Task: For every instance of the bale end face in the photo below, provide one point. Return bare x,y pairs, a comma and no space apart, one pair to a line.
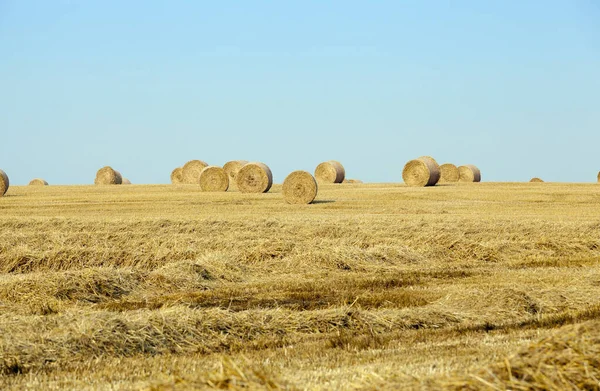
331,171
420,173
214,178
449,173
38,182
108,176
177,176
192,170
300,187
469,173
254,178
4,183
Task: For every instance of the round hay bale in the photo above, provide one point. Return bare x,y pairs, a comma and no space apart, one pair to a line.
192,170
232,168
598,177
254,178
126,181
421,172
4,183
299,188
38,182
449,173
108,176
354,181
177,176
214,178
436,172
469,173
536,180
330,172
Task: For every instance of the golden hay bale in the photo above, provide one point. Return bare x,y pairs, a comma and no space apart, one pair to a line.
192,170
354,181
421,172
38,182
449,173
299,188
108,176
232,168
254,178
538,180
214,178
469,173
330,172
126,181
177,176
435,173
4,183
598,176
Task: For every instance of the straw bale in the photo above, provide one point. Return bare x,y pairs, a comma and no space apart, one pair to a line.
38,182
108,176
4,183
192,170
420,172
177,176
300,187
254,178
214,178
449,173
469,173
330,172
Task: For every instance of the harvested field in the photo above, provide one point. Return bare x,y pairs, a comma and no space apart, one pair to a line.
373,286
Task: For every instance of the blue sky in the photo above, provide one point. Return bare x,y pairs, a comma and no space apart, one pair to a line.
144,86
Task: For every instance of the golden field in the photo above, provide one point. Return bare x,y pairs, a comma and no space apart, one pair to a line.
375,286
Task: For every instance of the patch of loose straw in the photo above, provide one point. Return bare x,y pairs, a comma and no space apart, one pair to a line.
536,180
177,176
214,178
420,172
330,172
449,173
38,182
254,178
300,187
232,168
192,170
4,183
108,176
469,173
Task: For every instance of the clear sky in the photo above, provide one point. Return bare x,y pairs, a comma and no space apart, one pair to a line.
144,86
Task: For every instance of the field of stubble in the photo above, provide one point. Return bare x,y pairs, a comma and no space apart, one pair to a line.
478,286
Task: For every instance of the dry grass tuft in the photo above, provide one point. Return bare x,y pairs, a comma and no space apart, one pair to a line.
254,178
330,172
108,176
421,172
4,183
449,173
536,180
38,182
469,173
299,188
192,170
177,176
214,178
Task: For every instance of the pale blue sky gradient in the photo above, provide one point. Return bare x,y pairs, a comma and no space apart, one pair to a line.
144,86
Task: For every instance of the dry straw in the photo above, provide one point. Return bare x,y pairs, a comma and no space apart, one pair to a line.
4,183
469,173
421,172
38,182
214,178
232,168
330,172
192,170
108,176
536,179
599,177
449,173
299,188
254,178
177,176
126,181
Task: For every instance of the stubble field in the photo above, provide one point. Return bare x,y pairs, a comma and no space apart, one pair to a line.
474,286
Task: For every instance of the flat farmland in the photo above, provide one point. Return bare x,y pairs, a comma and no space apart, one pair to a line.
374,286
